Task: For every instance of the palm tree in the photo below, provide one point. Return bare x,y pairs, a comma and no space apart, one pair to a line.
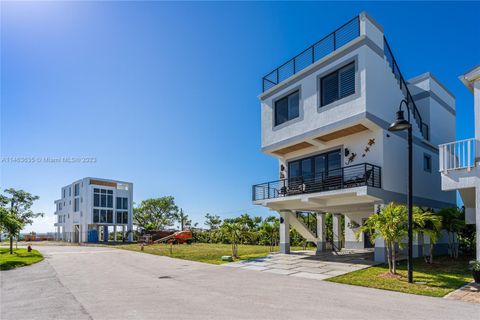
233,230
453,220
270,228
391,225
182,218
430,224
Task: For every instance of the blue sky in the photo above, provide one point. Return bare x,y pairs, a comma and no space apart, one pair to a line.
165,94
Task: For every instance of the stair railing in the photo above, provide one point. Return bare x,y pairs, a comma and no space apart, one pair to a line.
404,88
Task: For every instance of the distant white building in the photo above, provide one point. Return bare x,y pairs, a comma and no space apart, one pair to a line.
325,115
90,208
460,161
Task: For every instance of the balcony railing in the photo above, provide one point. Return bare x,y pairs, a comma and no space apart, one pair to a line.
459,155
312,54
364,174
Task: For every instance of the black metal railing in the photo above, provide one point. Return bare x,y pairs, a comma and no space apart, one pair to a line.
309,219
364,174
338,38
404,88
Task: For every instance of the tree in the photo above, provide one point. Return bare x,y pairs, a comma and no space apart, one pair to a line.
16,212
391,225
428,223
213,222
182,218
156,213
233,230
453,220
270,229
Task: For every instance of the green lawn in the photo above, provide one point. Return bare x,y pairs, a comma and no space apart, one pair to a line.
441,277
19,258
203,252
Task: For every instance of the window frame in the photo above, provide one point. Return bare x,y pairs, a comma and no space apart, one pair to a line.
282,97
429,161
337,71
312,162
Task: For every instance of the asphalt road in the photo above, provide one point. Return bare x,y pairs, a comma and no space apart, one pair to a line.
104,283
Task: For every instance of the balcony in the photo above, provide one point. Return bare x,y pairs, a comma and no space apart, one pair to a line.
459,155
364,174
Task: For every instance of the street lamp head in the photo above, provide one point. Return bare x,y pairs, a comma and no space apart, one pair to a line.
400,124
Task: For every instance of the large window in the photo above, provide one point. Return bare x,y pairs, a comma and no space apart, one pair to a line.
76,189
76,204
102,216
316,165
338,84
122,217
102,198
122,203
287,108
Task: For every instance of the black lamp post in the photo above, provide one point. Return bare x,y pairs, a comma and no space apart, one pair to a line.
399,125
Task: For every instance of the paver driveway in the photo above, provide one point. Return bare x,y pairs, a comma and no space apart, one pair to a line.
307,264
105,283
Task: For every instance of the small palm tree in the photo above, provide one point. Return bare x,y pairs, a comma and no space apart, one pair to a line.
430,224
270,228
233,231
390,224
453,220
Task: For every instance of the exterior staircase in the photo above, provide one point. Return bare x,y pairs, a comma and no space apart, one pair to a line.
422,126
309,232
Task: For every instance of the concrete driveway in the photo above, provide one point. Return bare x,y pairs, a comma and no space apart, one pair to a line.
308,264
107,283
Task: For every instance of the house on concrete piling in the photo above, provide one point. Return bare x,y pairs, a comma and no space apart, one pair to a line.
325,115
90,208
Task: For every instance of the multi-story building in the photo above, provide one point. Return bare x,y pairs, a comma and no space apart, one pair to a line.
460,161
90,208
325,115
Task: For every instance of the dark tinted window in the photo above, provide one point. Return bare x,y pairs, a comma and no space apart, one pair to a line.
427,163
287,108
338,84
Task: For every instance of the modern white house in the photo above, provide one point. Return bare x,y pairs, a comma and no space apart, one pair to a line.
90,208
460,161
325,115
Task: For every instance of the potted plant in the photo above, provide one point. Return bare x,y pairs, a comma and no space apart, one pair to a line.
475,265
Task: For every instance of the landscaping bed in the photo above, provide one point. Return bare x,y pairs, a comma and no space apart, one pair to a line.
436,280
19,258
203,252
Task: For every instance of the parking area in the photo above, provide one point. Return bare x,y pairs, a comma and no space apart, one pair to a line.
308,264
105,283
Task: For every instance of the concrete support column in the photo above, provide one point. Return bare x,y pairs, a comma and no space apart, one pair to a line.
115,233
337,230
123,232
285,231
477,219
380,254
321,232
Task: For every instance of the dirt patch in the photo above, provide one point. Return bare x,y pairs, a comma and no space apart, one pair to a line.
388,275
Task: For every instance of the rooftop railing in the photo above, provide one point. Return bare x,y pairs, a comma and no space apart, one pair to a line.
363,174
338,38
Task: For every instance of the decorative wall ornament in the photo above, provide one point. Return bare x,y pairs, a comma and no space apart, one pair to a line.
370,143
351,158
